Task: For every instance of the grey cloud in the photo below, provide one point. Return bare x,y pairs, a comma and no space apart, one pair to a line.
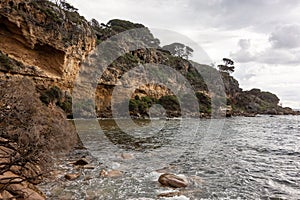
244,43
243,55
193,14
271,55
287,36
235,14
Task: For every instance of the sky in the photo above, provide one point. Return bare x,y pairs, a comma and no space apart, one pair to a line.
261,36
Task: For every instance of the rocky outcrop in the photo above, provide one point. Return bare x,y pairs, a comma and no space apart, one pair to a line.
44,37
256,101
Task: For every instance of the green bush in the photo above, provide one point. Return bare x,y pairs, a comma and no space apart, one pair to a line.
5,62
53,95
170,103
66,105
141,105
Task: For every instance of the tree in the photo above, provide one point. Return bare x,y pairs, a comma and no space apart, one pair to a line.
68,6
142,33
65,5
228,66
179,50
189,51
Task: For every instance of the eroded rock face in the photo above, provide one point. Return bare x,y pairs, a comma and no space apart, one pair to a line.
44,36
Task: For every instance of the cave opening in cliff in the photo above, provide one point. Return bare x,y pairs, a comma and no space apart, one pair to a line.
14,42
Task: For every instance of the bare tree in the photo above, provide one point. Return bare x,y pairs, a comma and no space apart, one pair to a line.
179,50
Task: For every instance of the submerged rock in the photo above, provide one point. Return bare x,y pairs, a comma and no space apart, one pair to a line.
170,194
72,177
82,161
111,173
171,180
127,156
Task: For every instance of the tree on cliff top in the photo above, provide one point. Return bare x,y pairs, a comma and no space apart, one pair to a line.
228,66
179,50
65,5
115,26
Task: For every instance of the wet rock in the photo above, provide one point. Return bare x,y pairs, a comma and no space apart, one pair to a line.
19,187
72,177
103,173
82,161
3,140
26,191
171,180
170,194
87,178
127,156
88,167
111,173
32,173
9,177
6,195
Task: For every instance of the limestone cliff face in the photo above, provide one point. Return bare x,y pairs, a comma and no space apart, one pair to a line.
114,76
47,40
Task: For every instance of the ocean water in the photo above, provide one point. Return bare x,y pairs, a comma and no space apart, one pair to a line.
234,158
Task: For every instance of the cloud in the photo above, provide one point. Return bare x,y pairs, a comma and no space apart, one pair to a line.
243,55
244,43
280,50
286,36
193,14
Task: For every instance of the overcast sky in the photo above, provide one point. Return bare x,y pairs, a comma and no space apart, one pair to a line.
261,36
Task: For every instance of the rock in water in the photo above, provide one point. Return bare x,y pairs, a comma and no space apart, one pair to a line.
171,180
82,161
127,156
72,177
111,173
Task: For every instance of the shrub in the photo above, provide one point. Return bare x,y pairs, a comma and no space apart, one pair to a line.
53,95
5,62
170,103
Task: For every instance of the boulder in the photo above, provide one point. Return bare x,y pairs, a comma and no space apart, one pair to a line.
6,195
127,156
171,180
72,177
82,161
111,173
26,190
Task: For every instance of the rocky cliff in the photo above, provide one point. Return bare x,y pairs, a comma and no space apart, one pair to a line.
48,41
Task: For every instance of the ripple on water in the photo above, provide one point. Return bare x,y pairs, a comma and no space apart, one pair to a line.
253,158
